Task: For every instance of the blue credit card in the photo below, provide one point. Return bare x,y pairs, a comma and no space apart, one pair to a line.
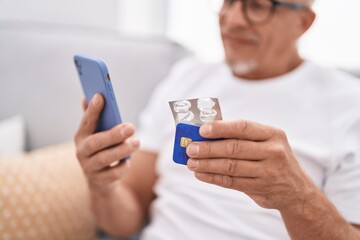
185,134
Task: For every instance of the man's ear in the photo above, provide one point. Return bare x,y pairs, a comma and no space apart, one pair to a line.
306,21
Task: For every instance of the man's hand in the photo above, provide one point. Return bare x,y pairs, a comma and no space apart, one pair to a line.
96,151
253,158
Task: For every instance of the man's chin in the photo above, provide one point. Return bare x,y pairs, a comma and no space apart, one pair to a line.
242,68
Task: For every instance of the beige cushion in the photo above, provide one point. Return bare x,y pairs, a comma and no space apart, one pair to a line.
44,195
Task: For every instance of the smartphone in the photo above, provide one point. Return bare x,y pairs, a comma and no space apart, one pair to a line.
95,78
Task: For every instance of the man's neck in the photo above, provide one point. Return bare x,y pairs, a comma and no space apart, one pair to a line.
272,70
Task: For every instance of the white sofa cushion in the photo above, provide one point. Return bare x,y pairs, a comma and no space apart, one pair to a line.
12,135
39,81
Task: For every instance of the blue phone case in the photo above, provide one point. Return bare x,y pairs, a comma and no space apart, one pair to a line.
95,78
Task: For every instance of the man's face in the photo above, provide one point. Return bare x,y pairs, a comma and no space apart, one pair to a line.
255,48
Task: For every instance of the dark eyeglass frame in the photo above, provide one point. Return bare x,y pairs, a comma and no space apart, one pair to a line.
274,4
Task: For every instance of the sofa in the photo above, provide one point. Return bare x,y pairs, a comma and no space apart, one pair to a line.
43,193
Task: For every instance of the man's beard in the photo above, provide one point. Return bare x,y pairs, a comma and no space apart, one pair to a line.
247,64
241,68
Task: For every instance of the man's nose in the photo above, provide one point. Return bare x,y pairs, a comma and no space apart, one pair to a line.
234,14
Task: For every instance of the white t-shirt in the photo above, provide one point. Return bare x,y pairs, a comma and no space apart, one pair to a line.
319,109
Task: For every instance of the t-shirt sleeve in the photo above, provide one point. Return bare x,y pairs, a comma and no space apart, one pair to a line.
157,116
342,185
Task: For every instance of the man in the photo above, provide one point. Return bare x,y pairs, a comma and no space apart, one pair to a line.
291,170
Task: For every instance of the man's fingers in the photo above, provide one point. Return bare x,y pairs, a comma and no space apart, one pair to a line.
103,159
240,129
227,148
105,139
230,167
89,121
111,174
238,183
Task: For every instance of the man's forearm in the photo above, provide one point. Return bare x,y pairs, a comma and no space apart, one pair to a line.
315,217
117,211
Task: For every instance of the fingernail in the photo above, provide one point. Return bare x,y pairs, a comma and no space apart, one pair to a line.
126,131
192,164
192,150
113,164
205,129
96,100
135,143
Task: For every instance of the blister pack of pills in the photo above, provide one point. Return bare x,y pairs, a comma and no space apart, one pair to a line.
189,115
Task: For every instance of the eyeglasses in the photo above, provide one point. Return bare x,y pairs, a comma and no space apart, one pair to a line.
257,12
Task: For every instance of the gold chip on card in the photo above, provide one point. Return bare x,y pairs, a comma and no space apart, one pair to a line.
184,141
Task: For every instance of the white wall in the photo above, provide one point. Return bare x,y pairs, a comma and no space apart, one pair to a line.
334,39
195,25
95,13
142,17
